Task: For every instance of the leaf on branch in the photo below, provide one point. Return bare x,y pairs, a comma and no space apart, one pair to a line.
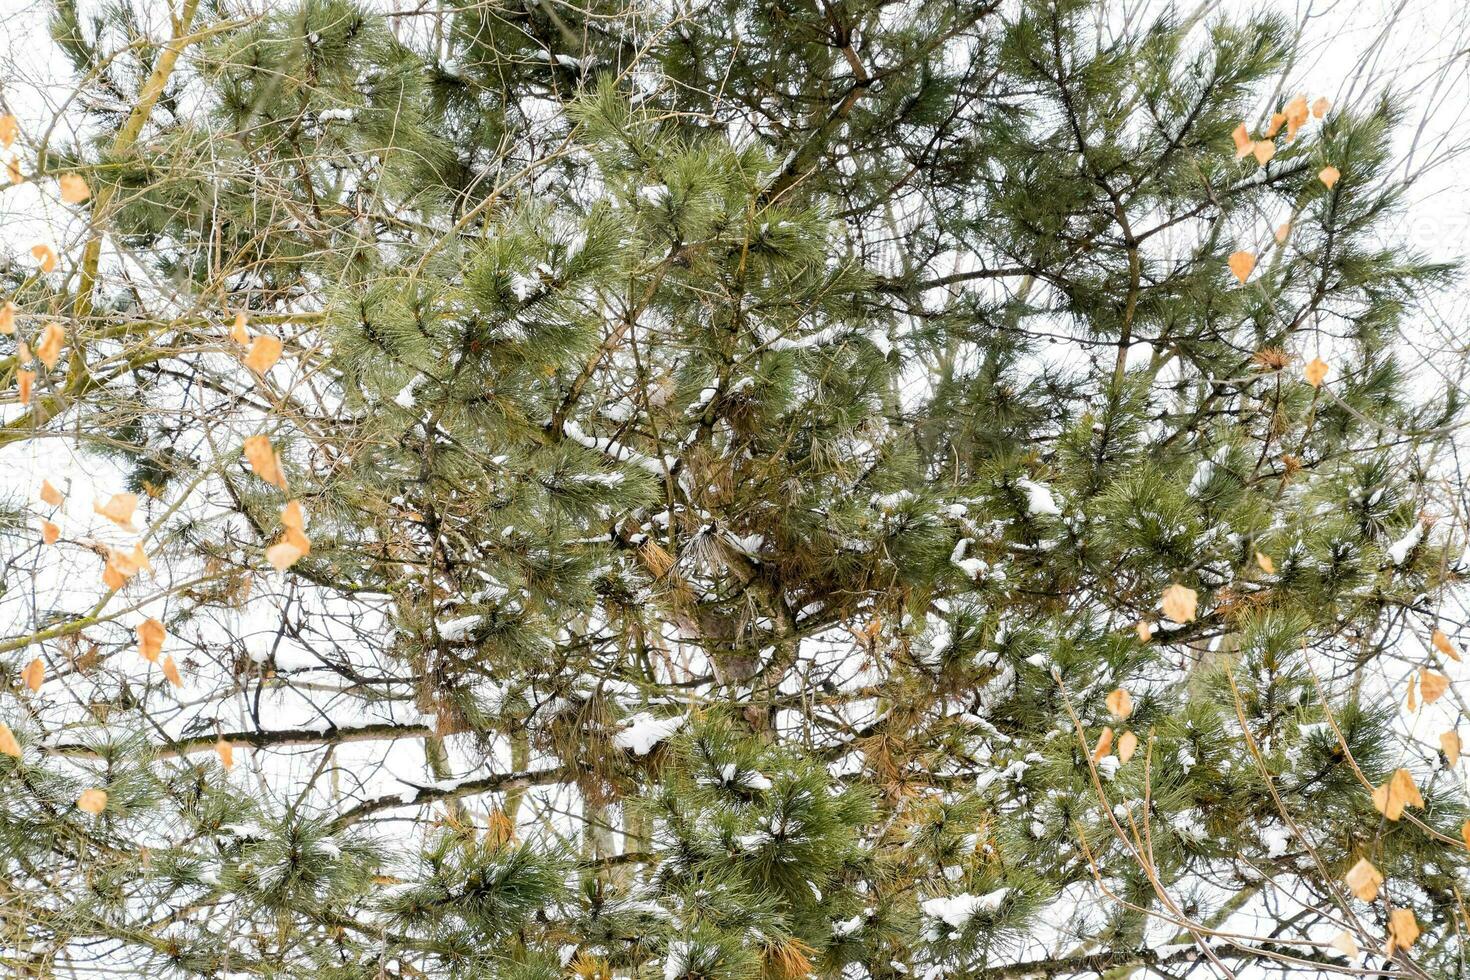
1264,562
1465,833
1449,744
12,170
265,461
34,674
8,744
1443,645
1316,371
45,256
1283,232
225,751
74,189
1104,745
7,318
1296,116
25,380
1403,930
1399,792
1320,107
1264,150
1243,142
1411,703
119,510
171,671
1344,944
1180,603
1432,685
48,349
1144,630
50,533
1120,703
1127,745
238,333
263,354
50,495
1329,176
1242,264
151,635
9,129
1364,880
92,801
1278,119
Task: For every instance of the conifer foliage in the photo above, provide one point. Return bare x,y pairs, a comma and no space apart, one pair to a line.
852,489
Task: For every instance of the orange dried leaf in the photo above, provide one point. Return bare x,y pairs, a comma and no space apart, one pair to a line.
45,255
1180,603
1296,115
8,744
119,509
1443,645
1364,880
1283,232
1278,119
50,495
92,801
1432,685
225,751
1264,150
283,554
1344,944
1403,930
12,170
9,129
1316,371
50,533
1399,792
34,674
1104,745
264,460
1465,833
25,380
1329,176
1320,107
7,318
1449,744
1411,702
238,333
1242,264
171,671
1120,703
1127,745
74,189
263,354
1264,562
151,635
49,347
1144,630
1243,142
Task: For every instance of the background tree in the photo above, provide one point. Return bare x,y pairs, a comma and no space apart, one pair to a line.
844,489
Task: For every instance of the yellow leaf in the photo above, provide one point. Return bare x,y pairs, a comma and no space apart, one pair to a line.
1399,792
45,256
1243,142
1241,264
7,318
24,381
49,347
1432,685
1283,232
1264,150
92,801
1104,745
1449,744
225,751
1364,880
74,189
238,333
1329,176
1144,630
119,509
151,635
1316,371
171,671
1403,930
1120,703
50,533
8,744
1180,603
264,460
1320,107
8,130
1296,115
50,495
1265,563
263,354
1443,645
1127,745
1344,944
12,170
34,674
1277,119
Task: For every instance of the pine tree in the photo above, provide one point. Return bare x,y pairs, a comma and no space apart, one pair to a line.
848,489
